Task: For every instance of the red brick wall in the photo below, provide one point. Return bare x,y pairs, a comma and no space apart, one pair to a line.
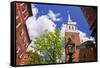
22,41
76,39
22,37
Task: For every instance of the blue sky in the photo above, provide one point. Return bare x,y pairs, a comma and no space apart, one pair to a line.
75,13
51,17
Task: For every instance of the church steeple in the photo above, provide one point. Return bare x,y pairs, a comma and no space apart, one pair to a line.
72,33
71,26
69,18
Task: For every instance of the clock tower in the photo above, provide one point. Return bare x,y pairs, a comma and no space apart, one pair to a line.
72,33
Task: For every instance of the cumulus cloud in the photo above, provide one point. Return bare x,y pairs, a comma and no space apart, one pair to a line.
45,23
32,30
34,10
63,27
53,15
37,26
83,37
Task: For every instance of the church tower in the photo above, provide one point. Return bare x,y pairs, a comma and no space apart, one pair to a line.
72,33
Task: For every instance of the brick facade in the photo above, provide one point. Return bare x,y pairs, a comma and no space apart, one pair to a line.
76,39
23,11
72,33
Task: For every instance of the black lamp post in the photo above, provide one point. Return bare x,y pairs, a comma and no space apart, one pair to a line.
70,49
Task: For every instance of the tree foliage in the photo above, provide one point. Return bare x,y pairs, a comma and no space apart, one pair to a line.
50,45
34,57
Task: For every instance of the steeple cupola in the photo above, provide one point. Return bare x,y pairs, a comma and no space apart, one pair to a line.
71,26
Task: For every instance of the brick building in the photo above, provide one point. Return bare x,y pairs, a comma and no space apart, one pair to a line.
72,33
87,51
90,14
23,12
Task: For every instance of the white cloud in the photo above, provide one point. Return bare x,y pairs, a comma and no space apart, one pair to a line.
83,37
32,27
33,5
45,23
34,10
36,27
63,27
54,16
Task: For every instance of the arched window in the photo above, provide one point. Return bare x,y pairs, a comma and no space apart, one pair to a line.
72,27
69,27
75,28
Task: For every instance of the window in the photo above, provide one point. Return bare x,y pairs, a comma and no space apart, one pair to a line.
26,14
21,33
24,9
17,14
69,27
75,28
72,27
26,44
21,55
18,49
24,39
19,21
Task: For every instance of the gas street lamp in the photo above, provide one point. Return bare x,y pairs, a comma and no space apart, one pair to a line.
69,50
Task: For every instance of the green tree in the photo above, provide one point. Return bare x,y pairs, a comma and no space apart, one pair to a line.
50,45
34,57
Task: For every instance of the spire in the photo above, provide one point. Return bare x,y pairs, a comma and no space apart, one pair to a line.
70,26
69,18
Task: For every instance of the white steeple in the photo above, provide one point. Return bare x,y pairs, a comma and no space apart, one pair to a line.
69,18
71,26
